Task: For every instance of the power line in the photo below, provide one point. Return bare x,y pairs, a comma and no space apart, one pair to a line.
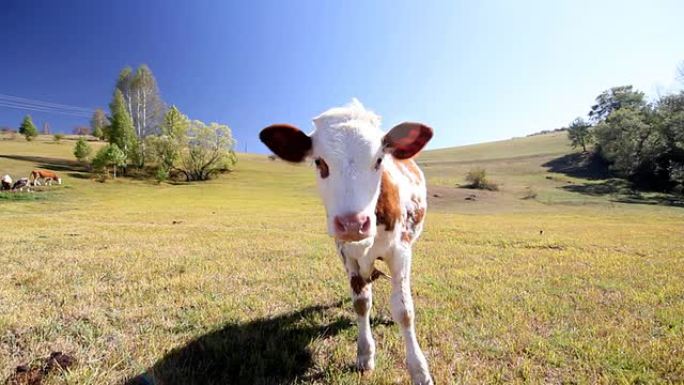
40,109
41,102
10,101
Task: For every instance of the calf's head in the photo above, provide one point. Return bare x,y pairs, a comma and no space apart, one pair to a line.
349,151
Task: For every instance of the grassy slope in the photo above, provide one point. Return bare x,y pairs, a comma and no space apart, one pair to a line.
232,271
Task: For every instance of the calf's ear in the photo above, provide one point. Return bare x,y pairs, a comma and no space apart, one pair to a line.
405,140
286,141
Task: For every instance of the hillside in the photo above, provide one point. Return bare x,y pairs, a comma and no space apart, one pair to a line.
199,283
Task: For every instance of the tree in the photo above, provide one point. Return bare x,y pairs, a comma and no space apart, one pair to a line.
143,103
629,141
614,99
209,151
175,124
670,121
121,130
28,129
109,156
98,124
123,84
166,148
81,130
82,149
579,134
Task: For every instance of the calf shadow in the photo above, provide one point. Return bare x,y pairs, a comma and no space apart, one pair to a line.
263,351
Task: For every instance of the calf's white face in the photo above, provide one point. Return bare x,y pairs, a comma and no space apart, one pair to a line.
349,150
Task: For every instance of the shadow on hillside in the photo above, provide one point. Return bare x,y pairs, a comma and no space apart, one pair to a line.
580,165
593,167
662,199
54,164
621,191
263,351
607,187
80,175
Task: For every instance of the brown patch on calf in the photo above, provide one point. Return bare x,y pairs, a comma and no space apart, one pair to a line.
405,319
361,306
43,174
418,215
409,166
357,283
413,219
387,211
406,237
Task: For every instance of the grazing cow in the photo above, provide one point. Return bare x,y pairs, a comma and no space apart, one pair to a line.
46,176
375,200
6,183
21,184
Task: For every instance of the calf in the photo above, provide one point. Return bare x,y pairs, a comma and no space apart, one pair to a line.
46,176
21,184
6,183
375,200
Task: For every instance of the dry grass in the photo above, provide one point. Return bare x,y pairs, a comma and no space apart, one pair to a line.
235,281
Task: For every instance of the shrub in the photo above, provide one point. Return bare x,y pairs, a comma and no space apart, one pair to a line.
529,194
109,156
58,137
82,149
477,179
28,129
162,174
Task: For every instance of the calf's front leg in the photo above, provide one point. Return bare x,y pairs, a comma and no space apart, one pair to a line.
362,297
404,316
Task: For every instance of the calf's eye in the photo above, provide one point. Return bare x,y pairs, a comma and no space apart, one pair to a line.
377,163
322,167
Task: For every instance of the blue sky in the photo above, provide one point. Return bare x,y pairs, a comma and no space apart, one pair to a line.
475,71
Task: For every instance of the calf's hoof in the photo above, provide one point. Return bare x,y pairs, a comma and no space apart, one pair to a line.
365,364
420,375
422,380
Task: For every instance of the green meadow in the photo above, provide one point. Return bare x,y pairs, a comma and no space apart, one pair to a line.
563,276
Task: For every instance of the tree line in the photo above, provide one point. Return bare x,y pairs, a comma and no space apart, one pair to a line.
149,138
640,140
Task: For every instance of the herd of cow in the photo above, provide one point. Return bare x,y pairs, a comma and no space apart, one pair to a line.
36,178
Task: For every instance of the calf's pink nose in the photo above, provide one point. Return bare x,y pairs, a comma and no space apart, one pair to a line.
352,227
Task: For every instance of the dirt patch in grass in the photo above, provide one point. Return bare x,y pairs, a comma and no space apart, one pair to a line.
35,374
443,196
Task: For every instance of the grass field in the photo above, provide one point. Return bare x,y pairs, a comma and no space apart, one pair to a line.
548,281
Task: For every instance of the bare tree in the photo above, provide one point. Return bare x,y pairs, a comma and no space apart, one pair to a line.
123,83
98,123
81,130
143,102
